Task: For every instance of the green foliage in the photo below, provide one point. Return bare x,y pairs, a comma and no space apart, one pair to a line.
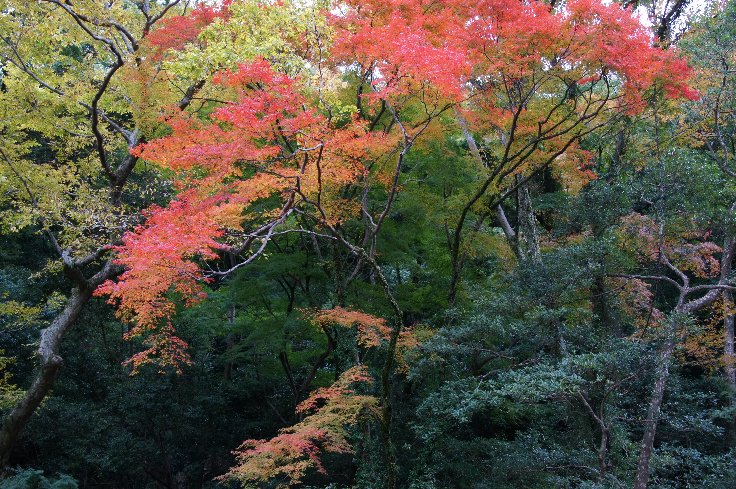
507,387
35,479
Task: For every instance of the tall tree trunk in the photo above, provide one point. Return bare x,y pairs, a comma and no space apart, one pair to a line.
48,354
528,234
728,354
655,404
50,363
602,308
728,337
667,349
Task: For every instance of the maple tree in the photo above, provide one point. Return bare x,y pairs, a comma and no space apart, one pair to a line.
682,256
74,88
207,157
288,456
403,237
530,79
270,141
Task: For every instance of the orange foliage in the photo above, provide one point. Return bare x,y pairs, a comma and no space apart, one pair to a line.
636,300
154,266
689,251
164,348
214,163
295,450
538,75
414,44
705,348
574,169
371,330
274,139
341,388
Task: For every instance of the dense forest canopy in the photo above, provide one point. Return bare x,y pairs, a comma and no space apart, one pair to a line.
367,244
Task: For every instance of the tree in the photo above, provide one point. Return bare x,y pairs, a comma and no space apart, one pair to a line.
676,257
72,82
283,152
712,116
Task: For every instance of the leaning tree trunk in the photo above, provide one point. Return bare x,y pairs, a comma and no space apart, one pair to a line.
50,363
655,404
667,350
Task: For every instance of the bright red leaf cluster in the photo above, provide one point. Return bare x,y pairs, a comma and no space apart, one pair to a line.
407,45
175,32
223,166
275,137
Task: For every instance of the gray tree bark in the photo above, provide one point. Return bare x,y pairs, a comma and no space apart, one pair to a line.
50,363
667,349
728,340
655,406
528,234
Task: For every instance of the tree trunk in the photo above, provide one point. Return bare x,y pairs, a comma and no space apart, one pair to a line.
605,436
655,403
528,234
602,308
728,354
667,350
50,363
503,221
728,333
